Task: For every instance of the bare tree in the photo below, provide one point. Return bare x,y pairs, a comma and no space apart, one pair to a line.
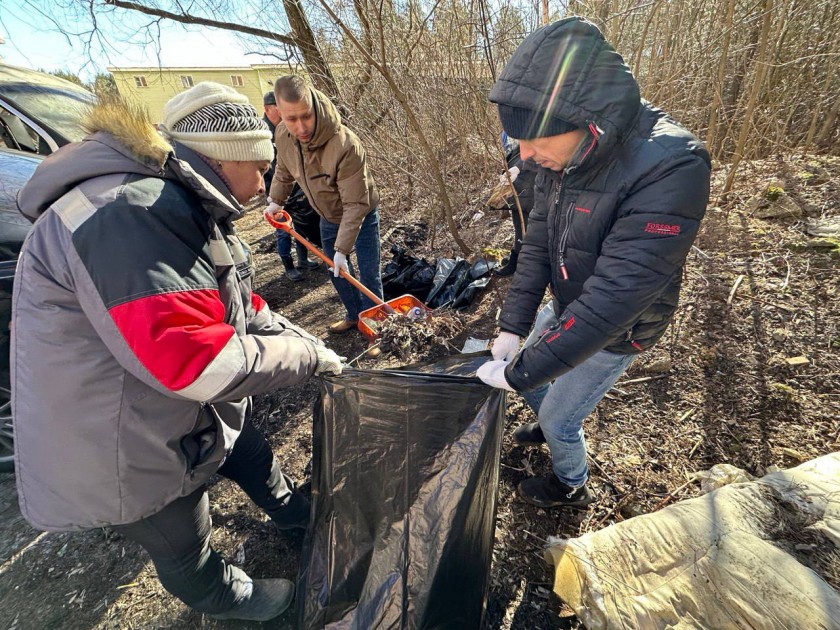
751,77
302,37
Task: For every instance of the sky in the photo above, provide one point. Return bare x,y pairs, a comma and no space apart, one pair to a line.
33,40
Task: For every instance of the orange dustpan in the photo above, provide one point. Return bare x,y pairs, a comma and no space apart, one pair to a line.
406,305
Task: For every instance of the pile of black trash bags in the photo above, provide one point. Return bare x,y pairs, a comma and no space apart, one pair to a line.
444,283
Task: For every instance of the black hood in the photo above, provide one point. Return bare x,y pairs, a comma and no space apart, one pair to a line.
568,70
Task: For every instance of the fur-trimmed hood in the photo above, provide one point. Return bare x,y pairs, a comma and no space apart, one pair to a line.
121,140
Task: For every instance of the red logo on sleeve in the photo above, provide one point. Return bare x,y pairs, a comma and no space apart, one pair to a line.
662,228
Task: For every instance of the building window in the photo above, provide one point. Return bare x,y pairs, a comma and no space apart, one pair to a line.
236,80
140,81
186,81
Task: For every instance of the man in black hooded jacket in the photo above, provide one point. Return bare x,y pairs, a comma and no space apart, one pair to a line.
619,195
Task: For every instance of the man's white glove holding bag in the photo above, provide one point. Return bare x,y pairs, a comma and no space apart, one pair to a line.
505,347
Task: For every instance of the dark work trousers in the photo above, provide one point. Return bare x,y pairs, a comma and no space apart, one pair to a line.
178,537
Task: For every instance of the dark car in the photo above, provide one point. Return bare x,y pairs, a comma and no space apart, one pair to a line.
38,114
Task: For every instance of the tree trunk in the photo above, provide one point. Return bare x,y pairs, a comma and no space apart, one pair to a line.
732,95
637,66
416,127
314,61
828,129
758,84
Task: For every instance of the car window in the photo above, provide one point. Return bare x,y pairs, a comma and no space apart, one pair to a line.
15,134
60,110
49,104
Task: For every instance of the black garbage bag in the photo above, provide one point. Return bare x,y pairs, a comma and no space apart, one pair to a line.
457,282
450,277
407,274
404,479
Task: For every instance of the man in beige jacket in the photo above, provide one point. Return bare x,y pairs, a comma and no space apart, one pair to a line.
328,161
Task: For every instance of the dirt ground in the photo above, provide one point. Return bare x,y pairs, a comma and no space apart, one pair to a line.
720,387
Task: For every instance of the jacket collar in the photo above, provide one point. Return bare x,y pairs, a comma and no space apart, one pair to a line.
327,120
188,167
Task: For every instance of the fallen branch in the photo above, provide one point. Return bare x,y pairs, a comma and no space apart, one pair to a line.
781,306
643,379
672,494
735,286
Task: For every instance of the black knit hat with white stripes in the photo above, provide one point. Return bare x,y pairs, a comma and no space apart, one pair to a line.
218,122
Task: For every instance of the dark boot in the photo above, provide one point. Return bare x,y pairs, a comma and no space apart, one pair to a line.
303,261
296,514
311,265
510,265
549,491
266,600
293,274
529,435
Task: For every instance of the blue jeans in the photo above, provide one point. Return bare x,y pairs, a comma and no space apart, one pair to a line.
284,247
367,257
562,405
284,244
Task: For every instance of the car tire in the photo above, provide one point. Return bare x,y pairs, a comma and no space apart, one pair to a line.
7,444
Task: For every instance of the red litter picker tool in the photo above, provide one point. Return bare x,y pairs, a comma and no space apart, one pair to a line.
406,305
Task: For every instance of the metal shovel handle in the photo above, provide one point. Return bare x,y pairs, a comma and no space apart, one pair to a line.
285,224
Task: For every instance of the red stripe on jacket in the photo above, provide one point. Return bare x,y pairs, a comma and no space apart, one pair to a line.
257,302
175,335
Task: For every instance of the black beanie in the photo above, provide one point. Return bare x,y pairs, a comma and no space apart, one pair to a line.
268,99
526,124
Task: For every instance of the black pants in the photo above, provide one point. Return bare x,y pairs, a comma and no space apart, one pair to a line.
178,537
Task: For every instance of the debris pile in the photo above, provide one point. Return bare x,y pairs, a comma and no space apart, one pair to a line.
421,339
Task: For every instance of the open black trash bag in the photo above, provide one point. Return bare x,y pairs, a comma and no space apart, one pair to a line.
404,480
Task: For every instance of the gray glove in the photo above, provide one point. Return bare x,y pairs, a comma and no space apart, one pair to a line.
328,361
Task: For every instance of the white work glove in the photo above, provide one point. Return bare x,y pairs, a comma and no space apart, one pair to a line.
328,361
272,209
493,373
505,346
339,263
512,172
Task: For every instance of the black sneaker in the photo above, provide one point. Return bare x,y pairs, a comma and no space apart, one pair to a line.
549,492
311,265
529,435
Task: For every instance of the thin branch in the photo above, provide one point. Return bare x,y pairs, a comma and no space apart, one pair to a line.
192,19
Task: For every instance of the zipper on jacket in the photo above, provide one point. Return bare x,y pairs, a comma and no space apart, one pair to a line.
306,179
564,236
564,233
633,342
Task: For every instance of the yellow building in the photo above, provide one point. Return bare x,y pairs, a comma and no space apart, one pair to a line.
153,86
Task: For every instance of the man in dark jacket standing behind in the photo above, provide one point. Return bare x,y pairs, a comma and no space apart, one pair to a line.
619,195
